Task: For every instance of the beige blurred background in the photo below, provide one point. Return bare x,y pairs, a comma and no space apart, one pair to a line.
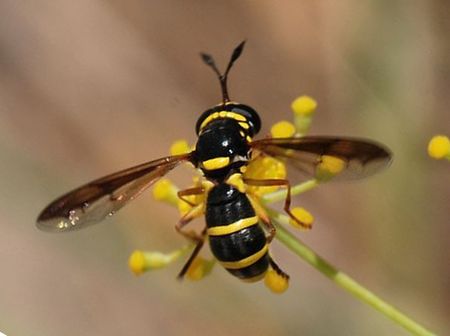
90,87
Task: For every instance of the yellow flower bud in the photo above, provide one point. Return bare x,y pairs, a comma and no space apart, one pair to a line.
329,167
303,216
282,129
304,105
165,190
276,282
140,261
137,263
263,168
183,206
180,147
304,108
439,147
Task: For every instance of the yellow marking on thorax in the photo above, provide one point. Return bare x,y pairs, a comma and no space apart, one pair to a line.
244,125
246,261
232,228
216,163
223,114
236,181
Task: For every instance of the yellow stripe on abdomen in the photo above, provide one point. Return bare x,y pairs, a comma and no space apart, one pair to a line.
232,228
246,261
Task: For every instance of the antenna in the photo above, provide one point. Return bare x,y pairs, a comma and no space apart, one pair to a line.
223,77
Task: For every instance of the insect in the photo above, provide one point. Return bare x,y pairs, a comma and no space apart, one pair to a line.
224,148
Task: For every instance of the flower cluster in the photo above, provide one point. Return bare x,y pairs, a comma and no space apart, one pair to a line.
263,167
260,167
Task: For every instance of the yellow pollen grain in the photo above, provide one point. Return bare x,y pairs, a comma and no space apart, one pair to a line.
304,105
262,168
439,147
180,147
163,190
137,263
275,282
282,129
332,164
183,206
303,216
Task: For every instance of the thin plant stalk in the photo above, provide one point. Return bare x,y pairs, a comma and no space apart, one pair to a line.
342,279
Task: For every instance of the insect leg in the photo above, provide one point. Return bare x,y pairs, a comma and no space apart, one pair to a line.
277,269
189,192
195,212
262,214
287,200
194,254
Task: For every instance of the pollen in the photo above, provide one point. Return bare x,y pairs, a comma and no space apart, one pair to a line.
282,129
165,190
199,268
186,204
179,147
304,105
183,206
137,263
329,167
263,168
140,261
439,147
276,282
303,216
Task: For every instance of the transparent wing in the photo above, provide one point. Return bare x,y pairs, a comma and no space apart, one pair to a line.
342,157
91,203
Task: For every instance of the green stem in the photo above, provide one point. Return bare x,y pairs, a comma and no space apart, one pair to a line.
280,195
344,281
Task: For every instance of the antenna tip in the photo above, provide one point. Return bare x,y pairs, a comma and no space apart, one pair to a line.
242,44
237,51
206,58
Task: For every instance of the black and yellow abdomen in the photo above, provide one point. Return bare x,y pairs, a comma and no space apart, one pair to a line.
235,236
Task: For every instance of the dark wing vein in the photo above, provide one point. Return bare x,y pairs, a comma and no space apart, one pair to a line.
361,157
91,203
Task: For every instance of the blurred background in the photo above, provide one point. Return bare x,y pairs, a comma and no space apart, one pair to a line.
91,87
